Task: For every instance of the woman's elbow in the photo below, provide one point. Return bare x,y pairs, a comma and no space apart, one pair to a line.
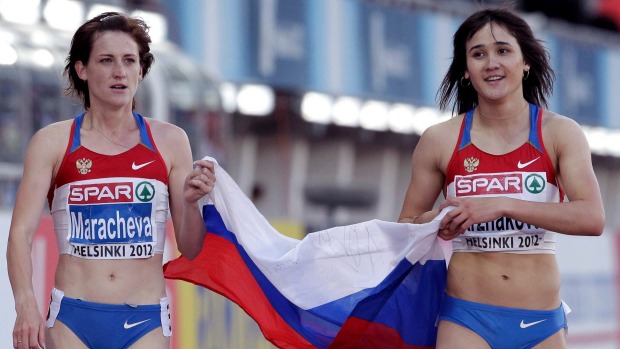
596,225
190,251
190,254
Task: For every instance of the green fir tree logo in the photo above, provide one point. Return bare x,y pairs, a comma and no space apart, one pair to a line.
145,191
535,183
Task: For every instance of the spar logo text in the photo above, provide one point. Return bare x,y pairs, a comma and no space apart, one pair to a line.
101,193
484,184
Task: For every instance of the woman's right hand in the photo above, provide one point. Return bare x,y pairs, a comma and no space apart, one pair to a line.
427,216
29,330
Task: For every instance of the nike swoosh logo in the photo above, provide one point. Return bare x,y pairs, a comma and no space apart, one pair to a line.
520,165
128,325
137,167
526,325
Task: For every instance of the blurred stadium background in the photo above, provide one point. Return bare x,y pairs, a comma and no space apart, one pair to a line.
314,107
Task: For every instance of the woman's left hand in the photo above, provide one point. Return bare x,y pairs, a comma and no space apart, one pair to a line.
200,181
467,212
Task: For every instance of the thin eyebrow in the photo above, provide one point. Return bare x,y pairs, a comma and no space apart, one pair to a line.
497,43
124,56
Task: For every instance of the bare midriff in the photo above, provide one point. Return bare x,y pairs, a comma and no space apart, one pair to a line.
118,281
525,281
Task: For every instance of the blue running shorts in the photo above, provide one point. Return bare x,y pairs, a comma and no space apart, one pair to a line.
108,326
501,327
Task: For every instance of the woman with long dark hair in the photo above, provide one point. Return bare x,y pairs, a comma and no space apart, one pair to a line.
506,166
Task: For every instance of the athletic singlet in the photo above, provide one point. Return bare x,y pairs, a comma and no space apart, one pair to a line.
525,173
110,206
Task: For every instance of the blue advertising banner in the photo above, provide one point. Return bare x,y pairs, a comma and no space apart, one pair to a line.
390,52
578,88
277,42
334,46
375,51
609,71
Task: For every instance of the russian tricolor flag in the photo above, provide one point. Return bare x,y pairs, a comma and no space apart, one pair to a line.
374,284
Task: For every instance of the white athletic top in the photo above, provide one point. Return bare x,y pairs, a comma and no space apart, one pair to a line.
110,206
526,173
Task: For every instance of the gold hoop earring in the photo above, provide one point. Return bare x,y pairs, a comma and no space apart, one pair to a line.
526,74
462,84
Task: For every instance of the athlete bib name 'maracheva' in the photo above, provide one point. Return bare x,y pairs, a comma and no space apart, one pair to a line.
525,173
110,206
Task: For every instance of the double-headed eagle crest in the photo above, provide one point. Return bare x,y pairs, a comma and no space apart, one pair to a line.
83,165
471,164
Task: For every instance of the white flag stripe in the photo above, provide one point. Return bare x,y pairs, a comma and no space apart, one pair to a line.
343,260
